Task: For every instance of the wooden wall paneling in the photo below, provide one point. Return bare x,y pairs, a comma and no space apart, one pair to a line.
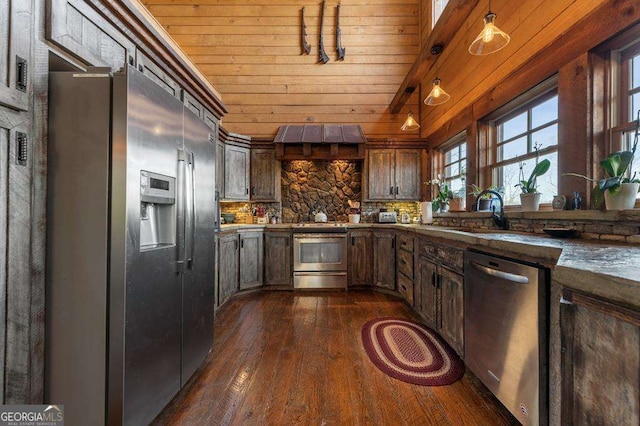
569,33
251,53
81,31
574,125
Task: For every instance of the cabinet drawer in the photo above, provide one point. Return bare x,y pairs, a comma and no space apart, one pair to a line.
405,287
405,263
451,258
405,242
426,249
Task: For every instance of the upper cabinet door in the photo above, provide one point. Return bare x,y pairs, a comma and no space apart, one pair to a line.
81,31
16,17
157,74
236,173
380,174
220,168
407,174
265,175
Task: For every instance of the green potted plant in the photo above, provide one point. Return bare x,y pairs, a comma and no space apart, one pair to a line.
485,201
619,187
444,195
530,197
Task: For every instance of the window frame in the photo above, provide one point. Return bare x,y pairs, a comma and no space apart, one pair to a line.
454,142
525,102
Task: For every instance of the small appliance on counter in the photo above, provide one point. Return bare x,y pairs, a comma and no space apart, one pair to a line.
405,218
320,217
387,217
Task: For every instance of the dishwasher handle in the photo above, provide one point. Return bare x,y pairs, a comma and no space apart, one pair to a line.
501,274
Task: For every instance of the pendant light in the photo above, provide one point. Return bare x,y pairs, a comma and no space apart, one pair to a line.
491,38
410,123
437,95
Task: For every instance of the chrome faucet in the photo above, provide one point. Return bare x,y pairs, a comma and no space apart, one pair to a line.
500,220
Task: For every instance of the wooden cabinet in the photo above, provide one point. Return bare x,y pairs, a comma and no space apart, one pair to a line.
157,74
600,361
405,269
236,173
251,265
76,27
359,258
278,258
193,105
265,175
211,121
16,19
439,291
393,174
228,246
384,259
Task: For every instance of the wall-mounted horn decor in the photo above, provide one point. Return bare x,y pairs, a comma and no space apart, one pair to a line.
306,47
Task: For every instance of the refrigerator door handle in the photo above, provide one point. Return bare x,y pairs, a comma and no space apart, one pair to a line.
189,214
192,216
182,210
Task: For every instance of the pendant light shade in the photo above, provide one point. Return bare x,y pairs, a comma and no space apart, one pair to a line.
410,123
491,38
437,95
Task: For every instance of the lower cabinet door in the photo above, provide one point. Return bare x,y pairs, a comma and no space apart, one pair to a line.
384,259
277,259
359,258
427,276
452,309
228,247
251,259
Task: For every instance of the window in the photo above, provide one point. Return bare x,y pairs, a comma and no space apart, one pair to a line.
438,7
526,135
629,108
455,161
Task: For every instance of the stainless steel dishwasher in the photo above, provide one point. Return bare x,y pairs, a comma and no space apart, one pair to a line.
506,338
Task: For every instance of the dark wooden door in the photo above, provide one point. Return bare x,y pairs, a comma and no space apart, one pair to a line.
427,276
277,259
236,173
380,174
407,174
251,265
228,247
384,259
600,361
451,324
265,175
359,258
15,51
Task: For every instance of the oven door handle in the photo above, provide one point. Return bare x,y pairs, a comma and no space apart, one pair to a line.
520,279
320,235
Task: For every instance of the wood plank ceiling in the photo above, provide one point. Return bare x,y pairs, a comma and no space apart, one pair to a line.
250,51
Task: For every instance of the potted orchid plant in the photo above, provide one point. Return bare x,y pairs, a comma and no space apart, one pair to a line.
530,197
444,195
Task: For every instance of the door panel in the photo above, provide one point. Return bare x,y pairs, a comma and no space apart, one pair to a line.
428,301
407,174
15,45
250,259
198,279
277,259
384,259
452,309
236,173
380,174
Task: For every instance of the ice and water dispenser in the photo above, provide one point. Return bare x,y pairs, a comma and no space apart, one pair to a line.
157,210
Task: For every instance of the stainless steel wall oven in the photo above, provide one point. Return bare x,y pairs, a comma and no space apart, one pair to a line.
320,257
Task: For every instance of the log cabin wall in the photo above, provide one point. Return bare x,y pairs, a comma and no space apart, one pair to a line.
250,51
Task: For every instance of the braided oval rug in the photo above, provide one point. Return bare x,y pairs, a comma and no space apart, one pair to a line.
411,352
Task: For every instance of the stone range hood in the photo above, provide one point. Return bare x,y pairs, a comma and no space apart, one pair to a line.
320,142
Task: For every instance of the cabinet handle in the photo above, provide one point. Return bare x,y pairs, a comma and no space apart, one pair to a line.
242,243
235,243
141,68
439,281
353,241
21,74
131,61
253,190
247,191
393,243
403,262
396,190
287,242
22,148
433,279
391,191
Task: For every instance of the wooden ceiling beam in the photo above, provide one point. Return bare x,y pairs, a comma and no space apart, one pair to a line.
451,21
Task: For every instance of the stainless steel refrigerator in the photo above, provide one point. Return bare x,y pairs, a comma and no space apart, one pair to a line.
130,246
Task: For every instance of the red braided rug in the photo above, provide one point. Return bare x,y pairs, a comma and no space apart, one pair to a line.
410,352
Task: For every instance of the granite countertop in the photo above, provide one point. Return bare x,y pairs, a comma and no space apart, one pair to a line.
611,271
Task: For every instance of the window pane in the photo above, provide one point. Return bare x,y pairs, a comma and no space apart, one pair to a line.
628,145
513,127
513,149
635,66
463,150
546,137
452,170
457,186
635,106
544,113
451,155
438,7
547,183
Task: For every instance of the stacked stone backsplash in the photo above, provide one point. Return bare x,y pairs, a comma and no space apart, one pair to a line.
370,209
243,211
622,227
319,185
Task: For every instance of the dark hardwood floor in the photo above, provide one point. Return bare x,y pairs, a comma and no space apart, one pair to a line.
284,358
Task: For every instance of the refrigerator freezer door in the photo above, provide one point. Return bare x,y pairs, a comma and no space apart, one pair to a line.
198,279
145,287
